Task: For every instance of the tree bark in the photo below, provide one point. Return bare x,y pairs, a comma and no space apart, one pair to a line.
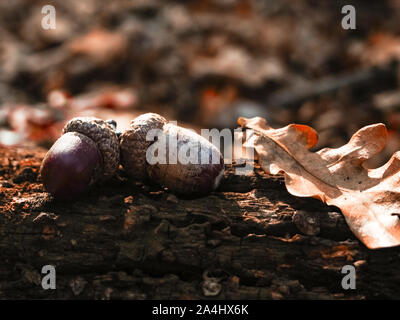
250,239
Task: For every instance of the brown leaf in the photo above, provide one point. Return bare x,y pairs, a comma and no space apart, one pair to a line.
368,198
381,48
100,45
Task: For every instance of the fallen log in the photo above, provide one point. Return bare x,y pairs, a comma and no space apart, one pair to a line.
250,239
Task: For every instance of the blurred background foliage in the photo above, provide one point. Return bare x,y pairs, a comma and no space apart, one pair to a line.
203,63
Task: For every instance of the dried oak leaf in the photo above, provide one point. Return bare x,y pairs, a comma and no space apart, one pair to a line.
368,198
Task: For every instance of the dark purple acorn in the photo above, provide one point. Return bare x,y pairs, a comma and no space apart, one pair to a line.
65,172
86,153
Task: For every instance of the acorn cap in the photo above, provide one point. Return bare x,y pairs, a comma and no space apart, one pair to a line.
134,145
103,134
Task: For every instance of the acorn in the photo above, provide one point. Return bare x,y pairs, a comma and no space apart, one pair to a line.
86,153
150,137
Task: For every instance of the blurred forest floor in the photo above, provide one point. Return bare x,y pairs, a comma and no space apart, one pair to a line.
204,63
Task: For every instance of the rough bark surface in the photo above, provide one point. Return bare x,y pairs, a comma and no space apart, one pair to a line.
248,240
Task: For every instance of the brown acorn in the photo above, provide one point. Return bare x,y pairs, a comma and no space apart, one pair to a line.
189,178
87,152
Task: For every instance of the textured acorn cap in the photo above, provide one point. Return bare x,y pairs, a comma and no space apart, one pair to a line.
103,134
134,145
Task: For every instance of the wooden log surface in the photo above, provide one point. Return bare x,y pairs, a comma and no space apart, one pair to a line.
250,239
